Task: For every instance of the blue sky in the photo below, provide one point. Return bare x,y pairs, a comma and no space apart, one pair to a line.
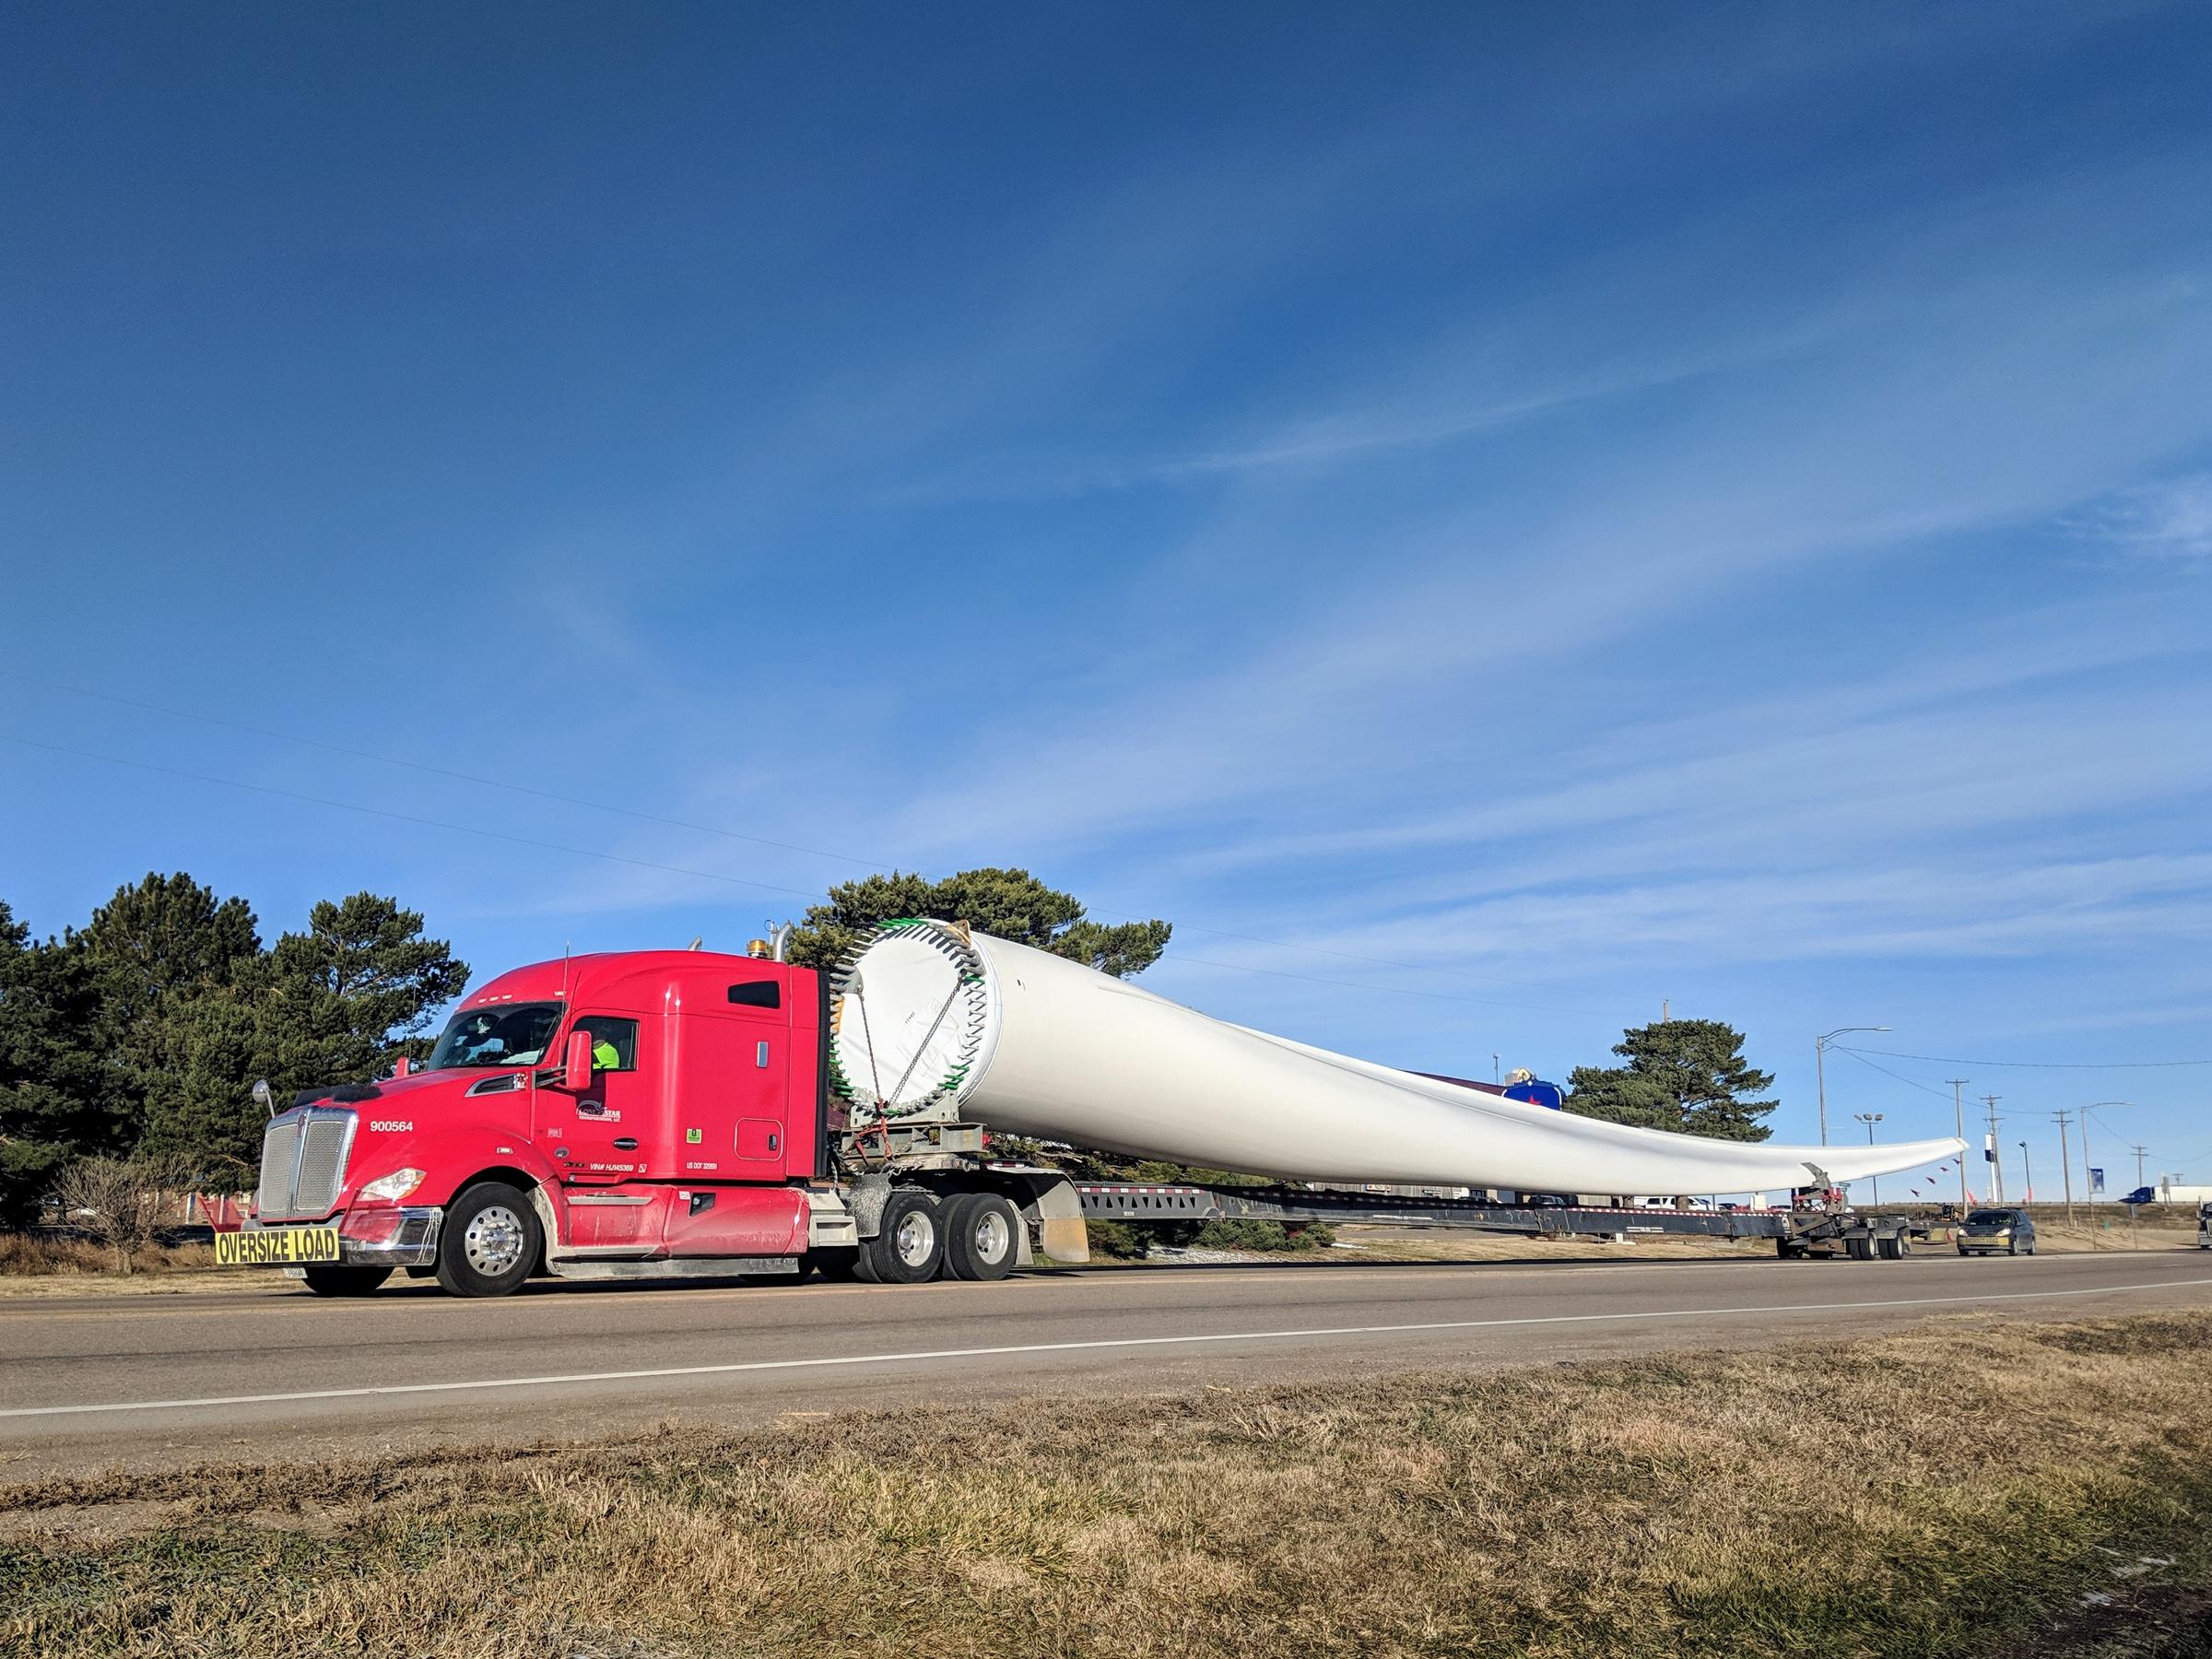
1499,517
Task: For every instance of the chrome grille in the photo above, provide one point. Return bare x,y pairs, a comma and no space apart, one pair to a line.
279,1151
303,1162
321,1162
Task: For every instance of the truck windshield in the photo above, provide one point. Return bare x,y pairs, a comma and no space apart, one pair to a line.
511,1034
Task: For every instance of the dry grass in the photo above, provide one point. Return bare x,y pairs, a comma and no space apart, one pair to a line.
43,1265
1951,1491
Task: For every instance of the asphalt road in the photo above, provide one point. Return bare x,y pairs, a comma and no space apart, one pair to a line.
151,1381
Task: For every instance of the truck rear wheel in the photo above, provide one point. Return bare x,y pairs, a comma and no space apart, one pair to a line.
328,1278
910,1247
490,1242
980,1236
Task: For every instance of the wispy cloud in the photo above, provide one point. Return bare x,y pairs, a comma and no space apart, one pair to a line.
2171,520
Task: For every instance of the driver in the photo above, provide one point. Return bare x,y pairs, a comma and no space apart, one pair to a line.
483,1041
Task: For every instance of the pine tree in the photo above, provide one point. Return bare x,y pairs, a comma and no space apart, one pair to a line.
160,948
1007,904
1684,1075
336,1004
54,1105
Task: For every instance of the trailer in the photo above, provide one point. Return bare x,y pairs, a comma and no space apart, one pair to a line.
1819,1227
664,1114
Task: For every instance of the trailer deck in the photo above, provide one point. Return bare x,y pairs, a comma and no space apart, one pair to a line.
1795,1232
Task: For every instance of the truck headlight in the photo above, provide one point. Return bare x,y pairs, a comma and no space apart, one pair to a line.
391,1188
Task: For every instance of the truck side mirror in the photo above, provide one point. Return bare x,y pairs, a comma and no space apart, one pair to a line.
576,1075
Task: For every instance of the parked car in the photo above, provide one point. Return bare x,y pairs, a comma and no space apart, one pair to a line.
2010,1231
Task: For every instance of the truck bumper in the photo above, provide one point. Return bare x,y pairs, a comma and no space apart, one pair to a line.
411,1240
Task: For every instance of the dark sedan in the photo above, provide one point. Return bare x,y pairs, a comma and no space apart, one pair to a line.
1987,1230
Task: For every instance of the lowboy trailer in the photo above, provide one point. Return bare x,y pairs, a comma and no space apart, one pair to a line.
1821,1227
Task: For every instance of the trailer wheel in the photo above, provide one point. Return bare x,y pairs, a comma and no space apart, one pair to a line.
910,1247
980,1236
490,1242
1859,1250
1889,1250
328,1278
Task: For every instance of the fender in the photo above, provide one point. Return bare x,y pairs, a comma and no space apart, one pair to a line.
455,1156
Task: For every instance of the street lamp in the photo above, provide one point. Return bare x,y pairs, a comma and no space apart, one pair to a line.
1820,1067
2090,1176
1870,1119
2027,1169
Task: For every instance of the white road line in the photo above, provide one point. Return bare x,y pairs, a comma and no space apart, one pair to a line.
1063,1347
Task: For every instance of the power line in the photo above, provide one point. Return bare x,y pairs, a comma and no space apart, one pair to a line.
643,864
409,817
1909,1082
2034,1065
674,823
436,771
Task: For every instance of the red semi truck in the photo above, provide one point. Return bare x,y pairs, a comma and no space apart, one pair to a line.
645,1114
675,1115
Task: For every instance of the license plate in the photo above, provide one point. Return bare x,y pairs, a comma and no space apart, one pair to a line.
275,1246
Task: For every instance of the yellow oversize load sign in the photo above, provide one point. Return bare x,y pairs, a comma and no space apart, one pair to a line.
275,1246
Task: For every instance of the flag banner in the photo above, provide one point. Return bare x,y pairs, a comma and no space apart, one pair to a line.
2096,1180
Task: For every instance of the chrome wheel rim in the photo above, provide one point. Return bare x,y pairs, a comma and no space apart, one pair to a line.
992,1237
916,1238
493,1242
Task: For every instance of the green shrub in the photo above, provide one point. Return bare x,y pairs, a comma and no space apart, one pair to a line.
1114,1241
1264,1235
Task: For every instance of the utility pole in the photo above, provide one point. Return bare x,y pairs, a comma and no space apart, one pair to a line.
1870,1119
2135,1240
2065,1159
1820,1067
1959,1110
1996,1164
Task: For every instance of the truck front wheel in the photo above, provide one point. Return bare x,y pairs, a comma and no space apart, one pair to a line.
980,1236
330,1279
490,1243
910,1247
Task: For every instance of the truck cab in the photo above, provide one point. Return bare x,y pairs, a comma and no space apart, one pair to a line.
642,1114
603,1109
